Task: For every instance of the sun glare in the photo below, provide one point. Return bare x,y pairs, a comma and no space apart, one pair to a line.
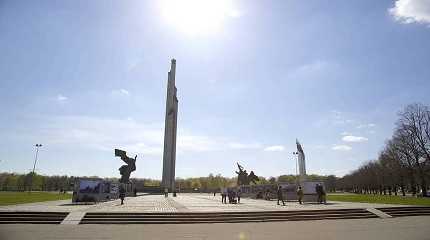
197,16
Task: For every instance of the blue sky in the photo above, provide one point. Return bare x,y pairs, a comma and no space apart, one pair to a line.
85,77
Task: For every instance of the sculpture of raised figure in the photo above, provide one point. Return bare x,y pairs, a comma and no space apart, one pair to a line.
252,178
243,178
130,166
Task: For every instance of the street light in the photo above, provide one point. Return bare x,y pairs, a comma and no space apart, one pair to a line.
297,159
34,165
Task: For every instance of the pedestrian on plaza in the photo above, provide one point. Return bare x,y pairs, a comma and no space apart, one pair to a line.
280,196
300,194
323,196
239,192
122,194
319,193
223,195
229,195
166,192
267,195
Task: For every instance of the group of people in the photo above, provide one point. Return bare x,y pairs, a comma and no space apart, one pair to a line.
280,195
321,195
233,195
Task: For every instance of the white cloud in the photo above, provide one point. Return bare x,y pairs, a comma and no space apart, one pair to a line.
319,147
105,134
411,11
345,133
314,66
143,148
194,143
275,148
133,64
317,69
236,145
120,92
102,134
350,138
369,125
341,148
338,117
61,98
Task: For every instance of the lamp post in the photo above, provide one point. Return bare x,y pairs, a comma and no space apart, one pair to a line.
297,159
34,165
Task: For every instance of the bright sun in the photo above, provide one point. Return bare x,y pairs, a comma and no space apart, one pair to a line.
197,16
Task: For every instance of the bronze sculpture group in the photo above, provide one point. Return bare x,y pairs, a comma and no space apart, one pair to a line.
243,178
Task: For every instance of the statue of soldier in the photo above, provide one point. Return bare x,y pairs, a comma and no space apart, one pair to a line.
242,176
126,169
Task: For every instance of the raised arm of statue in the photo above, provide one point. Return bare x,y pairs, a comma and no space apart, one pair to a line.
240,167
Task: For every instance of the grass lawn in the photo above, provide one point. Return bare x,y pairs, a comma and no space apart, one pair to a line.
379,199
10,198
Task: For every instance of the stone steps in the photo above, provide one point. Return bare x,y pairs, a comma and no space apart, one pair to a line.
222,217
406,211
32,217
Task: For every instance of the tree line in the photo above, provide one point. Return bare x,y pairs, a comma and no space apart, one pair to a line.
403,166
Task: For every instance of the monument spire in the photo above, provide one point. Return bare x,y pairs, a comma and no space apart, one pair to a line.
170,129
301,160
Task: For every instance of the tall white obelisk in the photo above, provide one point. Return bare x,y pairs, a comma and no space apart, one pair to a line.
169,155
301,160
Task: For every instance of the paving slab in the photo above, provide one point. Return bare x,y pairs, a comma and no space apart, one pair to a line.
73,218
186,202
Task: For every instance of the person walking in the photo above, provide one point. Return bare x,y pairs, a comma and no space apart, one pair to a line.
300,194
280,196
323,195
267,195
166,192
239,192
229,195
223,195
122,195
319,194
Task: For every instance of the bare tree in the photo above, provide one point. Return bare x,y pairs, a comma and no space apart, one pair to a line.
411,129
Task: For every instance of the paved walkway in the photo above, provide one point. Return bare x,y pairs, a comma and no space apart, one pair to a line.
382,229
193,202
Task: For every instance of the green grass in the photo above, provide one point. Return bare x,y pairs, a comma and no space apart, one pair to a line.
10,198
387,199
